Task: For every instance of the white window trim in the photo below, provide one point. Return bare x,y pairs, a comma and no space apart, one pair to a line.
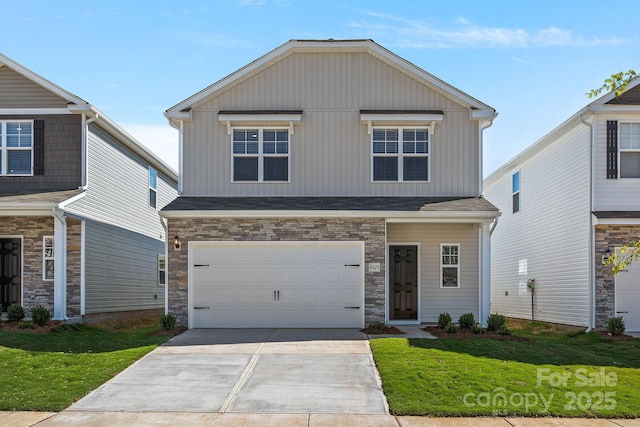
155,189
442,265
400,155
45,258
261,155
625,150
513,193
4,166
164,258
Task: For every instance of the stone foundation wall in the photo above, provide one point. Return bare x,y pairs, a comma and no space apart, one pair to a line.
74,254
608,237
369,230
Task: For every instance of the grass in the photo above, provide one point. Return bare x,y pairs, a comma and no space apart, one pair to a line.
555,373
48,372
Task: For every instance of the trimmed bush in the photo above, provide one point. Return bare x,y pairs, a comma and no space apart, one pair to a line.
15,313
40,315
504,330
616,326
443,320
451,328
466,321
477,329
495,322
167,321
26,324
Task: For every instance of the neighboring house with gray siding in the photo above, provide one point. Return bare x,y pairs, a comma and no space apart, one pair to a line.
80,231
568,201
329,183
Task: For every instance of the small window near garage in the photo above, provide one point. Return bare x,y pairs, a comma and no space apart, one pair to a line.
515,189
629,150
48,258
162,270
153,187
450,265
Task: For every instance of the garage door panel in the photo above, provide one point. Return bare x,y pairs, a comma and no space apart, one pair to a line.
278,285
628,296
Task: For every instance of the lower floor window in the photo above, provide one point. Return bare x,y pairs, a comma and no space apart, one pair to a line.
48,258
450,265
162,270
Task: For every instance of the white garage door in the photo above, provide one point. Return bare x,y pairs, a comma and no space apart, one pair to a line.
628,296
277,284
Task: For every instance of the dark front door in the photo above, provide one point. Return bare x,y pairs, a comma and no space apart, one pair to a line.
10,270
403,282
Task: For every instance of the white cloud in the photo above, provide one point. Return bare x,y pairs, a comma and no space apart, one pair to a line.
417,33
523,61
161,140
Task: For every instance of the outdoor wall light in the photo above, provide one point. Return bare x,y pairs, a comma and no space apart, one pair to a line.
176,242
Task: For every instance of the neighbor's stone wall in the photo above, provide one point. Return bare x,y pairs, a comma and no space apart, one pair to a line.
608,237
35,290
369,230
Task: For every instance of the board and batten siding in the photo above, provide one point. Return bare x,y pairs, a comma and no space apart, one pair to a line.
16,91
330,151
548,239
118,188
120,270
434,299
612,194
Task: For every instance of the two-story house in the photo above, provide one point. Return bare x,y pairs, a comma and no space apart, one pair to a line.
568,201
80,232
329,183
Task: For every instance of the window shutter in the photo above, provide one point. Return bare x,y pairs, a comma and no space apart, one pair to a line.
612,149
38,147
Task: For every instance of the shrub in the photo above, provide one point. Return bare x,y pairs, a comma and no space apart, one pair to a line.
167,321
504,330
451,328
477,329
495,322
40,315
443,320
378,326
15,313
26,324
616,326
466,321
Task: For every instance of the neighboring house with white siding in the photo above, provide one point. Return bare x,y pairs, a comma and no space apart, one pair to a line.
329,183
567,201
80,231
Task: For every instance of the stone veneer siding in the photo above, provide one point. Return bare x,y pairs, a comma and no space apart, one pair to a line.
35,290
369,230
608,237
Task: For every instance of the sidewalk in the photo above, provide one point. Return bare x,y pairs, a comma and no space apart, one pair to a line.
108,419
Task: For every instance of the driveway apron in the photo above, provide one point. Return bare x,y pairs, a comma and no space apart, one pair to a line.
274,371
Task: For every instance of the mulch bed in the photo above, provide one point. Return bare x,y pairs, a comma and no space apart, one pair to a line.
382,330
468,335
608,336
13,327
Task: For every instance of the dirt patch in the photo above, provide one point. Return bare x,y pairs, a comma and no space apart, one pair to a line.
608,336
130,324
382,330
173,331
13,327
468,335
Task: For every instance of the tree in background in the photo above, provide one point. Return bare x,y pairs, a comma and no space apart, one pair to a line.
617,82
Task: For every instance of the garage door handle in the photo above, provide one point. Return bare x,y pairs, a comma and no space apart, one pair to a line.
201,308
201,265
352,265
352,308
620,312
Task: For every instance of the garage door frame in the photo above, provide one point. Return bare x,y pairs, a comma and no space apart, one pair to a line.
204,243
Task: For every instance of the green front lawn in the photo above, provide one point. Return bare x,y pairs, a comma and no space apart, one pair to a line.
552,374
48,372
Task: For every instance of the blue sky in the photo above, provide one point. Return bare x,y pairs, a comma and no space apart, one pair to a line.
533,61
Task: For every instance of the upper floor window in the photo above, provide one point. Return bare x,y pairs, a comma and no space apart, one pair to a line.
400,154
260,155
153,187
629,150
16,147
515,190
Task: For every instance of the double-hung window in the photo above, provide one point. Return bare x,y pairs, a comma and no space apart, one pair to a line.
260,155
629,150
400,154
153,187
48,258
16,147
515,192
450,265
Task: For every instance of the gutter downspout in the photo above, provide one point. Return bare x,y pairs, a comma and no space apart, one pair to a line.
165,227
484,124
60,265
592,236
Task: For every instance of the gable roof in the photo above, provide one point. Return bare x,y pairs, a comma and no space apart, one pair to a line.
77,105
480,110
629,101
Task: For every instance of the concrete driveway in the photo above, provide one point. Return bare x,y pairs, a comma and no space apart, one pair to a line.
271,371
